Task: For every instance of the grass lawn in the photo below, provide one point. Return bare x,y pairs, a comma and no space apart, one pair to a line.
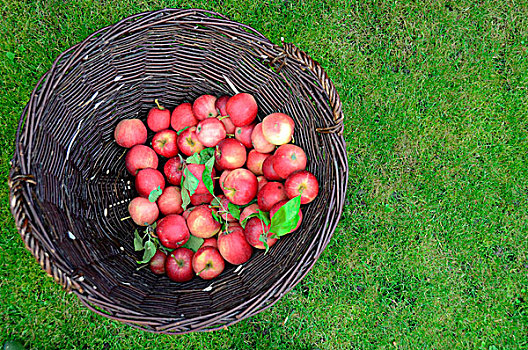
432,249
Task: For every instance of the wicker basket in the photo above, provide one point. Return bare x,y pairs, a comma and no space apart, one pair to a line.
69,188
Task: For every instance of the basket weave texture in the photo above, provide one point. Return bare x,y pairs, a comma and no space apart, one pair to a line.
69,188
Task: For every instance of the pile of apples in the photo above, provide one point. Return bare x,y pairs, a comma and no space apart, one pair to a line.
193,220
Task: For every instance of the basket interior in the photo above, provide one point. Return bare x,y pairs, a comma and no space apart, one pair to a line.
83,189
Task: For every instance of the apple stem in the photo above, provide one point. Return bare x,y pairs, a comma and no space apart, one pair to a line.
230,135
126,218
161,108
292,140
202,270
223,117
216,178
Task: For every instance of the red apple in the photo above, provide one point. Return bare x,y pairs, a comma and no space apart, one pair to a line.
240,186
173,170
186,213
204,107
230,154
210,132
259,142
250,209
255,160
277,128
210,242
288,159
148,180
170,201
208,263
182,117
221,108
218,167
261,182
224,209
229,126
277,207
197,170
140,157
233,225
142,211
179,265
201,222
254,229
188,142
220,105
172,231
164,143
233,246
243,134
130,132
302,183
158,119
222,178
272,193
242,109
268,170
203,198
157,263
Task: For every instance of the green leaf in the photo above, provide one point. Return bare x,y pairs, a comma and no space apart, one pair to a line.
150,250
186,199
264,239
182,130
264,216
138,241
194,243
207,178
246,219
190,182
165,249
154,195
215,202
234,210
206,154
194,159
286,218
217,217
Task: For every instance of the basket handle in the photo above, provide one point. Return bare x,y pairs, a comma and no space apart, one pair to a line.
293,52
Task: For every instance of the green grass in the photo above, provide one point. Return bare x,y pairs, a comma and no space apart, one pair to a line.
431,251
